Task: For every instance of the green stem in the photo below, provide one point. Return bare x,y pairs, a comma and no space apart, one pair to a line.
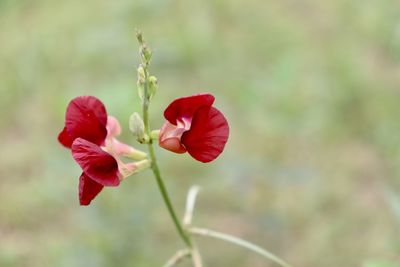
166,198
154,166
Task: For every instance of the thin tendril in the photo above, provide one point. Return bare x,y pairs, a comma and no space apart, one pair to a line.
240,242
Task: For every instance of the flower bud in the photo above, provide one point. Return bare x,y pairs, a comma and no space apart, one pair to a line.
140,87
153,85
141,74
141,79
146,53
139,36
136,126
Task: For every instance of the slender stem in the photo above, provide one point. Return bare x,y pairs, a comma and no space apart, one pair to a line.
177,257
192,248
165,196
154,166
239,242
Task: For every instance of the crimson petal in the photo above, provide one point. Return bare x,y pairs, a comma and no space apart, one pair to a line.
86,117
88,189
208,134
96,163
185,107
64,138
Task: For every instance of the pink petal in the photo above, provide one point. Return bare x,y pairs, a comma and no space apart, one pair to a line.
116,147
184,107
170,138
88,189
96,163
113,127
86,117
127,169
208,134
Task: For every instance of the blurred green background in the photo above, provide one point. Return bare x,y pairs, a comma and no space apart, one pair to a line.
311,90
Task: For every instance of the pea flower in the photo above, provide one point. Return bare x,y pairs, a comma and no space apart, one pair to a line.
195,126
91,136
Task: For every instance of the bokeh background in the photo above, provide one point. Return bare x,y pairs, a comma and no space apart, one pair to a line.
311,90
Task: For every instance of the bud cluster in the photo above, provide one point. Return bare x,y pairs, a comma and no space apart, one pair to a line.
145,52
147,87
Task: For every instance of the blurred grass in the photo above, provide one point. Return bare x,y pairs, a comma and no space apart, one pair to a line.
311,90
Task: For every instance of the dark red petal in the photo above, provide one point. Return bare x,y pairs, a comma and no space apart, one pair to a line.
185,107
86,117
96,163
88,189
64,138
208,134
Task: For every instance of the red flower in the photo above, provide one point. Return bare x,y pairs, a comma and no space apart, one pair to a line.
195,126
99,169
86,117
90,135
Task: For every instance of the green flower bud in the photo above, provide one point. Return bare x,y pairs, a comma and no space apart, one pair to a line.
136,126
140,87
146,53
141,79
153,85
139,36
141,76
